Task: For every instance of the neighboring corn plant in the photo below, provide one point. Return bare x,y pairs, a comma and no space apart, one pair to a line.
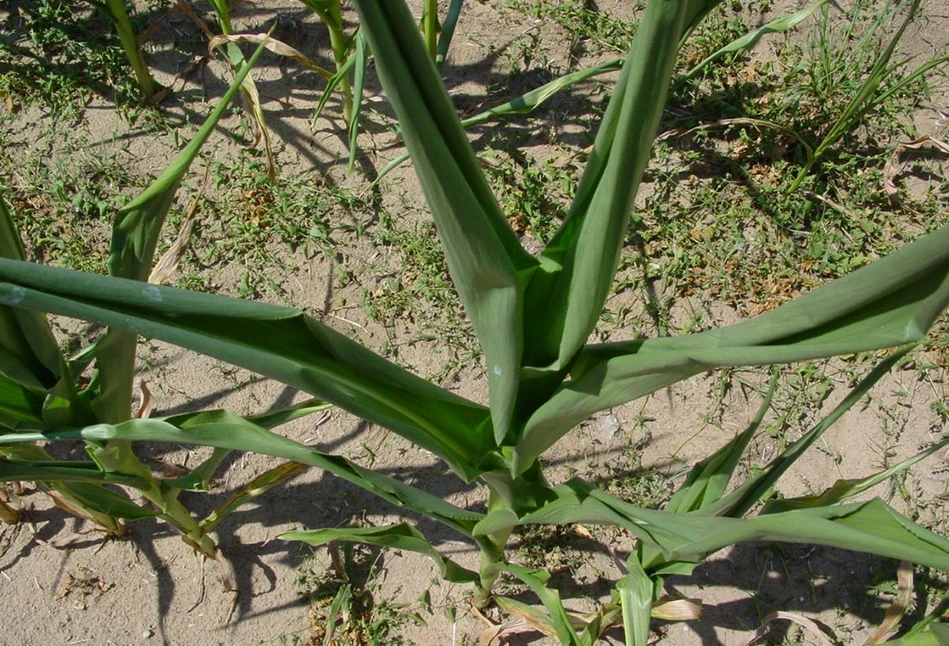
41,385
115,9
533,316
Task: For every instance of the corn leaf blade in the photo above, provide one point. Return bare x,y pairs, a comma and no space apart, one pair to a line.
401,536
892,302
683,539
579,263
486,261
784,23
221,429
279,342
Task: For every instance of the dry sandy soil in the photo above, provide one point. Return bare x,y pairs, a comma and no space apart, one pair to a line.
63,584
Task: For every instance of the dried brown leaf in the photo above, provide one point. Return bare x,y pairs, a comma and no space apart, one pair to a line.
167,265
904,595
894,165
275,46
677,609
808,624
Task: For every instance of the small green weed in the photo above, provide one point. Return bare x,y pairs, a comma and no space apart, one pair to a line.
345,609
533,195
58,53
63,208
248,219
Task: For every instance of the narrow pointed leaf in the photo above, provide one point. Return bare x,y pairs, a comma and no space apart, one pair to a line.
360,58
559,619
524,104
578,265
135,235
136,229
89,472
448,31
199,479
221,429
709,479
871,527
744,498
846,489
401,536
279,342
486,261
253,489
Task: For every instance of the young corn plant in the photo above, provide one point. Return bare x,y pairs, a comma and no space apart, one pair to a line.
533,316
115,9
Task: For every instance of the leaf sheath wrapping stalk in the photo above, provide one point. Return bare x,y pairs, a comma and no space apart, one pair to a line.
487,263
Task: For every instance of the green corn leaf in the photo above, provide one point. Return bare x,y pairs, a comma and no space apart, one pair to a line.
279,342
684,539
88,499
447,31
487,263
891,302
332,83
138,224
123,28
401,536
253,489
54,471
360,59
340,602
749,40
199,479
709,479
845,489
135,235
19,404
524,104
29,354
104,501
221,429
556,613
742,499
36,382
636,598
565,298
935,634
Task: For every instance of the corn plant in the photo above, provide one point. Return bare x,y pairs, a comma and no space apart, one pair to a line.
533,316
116,11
